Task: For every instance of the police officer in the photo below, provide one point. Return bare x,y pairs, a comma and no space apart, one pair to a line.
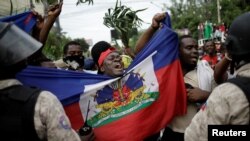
27,113
228,103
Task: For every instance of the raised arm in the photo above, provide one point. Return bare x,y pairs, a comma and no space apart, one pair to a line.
41,32
53,13
148,34
220,70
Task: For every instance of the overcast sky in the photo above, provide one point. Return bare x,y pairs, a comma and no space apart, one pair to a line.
86,21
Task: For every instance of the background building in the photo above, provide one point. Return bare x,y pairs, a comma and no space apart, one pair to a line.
13,7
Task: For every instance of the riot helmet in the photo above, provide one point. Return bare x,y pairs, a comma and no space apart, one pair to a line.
237,42
15,45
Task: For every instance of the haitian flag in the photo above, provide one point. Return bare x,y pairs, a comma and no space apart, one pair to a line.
129,108
146,98
25,21
66,85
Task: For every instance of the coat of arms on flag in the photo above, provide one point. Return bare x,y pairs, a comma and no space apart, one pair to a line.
123,96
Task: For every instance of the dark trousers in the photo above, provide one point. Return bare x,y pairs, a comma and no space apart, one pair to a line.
170,135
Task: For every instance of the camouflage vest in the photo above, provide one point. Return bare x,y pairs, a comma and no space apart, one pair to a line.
244,84
17,106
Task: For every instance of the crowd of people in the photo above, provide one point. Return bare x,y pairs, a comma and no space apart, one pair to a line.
35,114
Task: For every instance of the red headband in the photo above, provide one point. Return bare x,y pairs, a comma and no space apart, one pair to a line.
104,55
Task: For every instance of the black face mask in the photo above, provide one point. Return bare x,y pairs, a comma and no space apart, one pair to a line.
75,62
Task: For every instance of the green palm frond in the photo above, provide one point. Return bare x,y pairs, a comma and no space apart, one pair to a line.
85,1
123,19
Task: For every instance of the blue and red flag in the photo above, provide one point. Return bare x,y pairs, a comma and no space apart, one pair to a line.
25,21
132,107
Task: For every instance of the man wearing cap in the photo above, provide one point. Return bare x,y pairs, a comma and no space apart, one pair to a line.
227,104
27,113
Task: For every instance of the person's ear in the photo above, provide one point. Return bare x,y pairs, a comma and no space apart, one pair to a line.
102,69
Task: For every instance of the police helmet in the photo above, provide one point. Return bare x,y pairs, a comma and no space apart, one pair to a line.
15,44
238,40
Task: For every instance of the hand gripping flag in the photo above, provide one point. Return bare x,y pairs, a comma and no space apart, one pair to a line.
25,21
129,108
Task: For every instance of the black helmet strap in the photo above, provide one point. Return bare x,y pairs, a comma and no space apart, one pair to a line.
232,67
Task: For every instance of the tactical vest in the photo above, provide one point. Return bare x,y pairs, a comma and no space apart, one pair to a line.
17,106
244,84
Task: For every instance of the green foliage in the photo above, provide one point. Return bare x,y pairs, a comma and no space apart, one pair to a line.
84,1
232,8
53,48
188,14
123,20
133,40
83,44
